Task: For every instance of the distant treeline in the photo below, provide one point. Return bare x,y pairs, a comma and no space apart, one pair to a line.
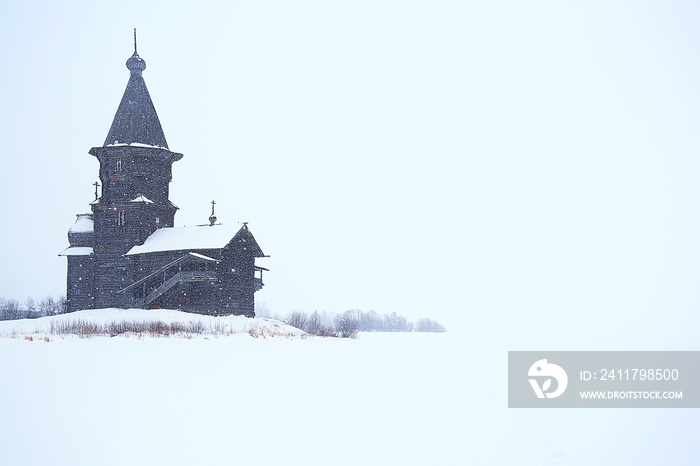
11,309
343,325
353,321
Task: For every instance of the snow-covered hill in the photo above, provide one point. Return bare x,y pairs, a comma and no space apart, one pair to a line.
127,322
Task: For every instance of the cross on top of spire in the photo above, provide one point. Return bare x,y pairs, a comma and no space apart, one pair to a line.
135,64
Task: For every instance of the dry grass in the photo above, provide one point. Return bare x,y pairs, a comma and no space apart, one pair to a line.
203,328
87,329
158,328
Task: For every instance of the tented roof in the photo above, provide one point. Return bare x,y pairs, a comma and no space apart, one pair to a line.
136,120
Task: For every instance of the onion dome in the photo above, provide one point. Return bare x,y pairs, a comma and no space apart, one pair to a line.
135,64
82,232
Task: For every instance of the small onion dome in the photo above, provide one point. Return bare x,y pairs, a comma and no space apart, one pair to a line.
82,232
136,64
212,217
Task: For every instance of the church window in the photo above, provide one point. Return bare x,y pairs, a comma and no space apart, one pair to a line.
121,219
119,165
157,220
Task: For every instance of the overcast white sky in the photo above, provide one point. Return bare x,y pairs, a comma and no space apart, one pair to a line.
525,165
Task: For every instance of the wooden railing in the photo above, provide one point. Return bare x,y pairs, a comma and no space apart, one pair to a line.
178,279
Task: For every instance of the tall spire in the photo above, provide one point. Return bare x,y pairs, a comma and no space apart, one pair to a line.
136,119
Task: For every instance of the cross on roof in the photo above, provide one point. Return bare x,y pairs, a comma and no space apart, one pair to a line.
96,185
212,219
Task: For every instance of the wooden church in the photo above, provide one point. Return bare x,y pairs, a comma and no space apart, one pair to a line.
128,254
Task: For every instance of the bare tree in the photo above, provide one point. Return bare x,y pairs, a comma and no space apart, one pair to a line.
369,321
313,324
51,307
62,305
29,303
10,310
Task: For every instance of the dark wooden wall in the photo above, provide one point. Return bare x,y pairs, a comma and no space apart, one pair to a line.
127,172
81,284
236,272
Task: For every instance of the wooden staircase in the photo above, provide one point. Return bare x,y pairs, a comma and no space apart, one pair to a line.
178,279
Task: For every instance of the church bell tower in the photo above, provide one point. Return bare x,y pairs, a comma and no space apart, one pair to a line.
135,173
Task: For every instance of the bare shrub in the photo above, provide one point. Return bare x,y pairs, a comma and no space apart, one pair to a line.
347,326
327,331
60,328
89,329
178,327
218,328
297,319
319,324
195,326
117,328
157,327
82,328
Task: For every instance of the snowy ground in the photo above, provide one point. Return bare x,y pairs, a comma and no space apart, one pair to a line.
404,399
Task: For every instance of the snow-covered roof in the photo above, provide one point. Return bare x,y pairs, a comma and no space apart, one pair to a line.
77,251
83,224
187,238
202,256
142,198
136,144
